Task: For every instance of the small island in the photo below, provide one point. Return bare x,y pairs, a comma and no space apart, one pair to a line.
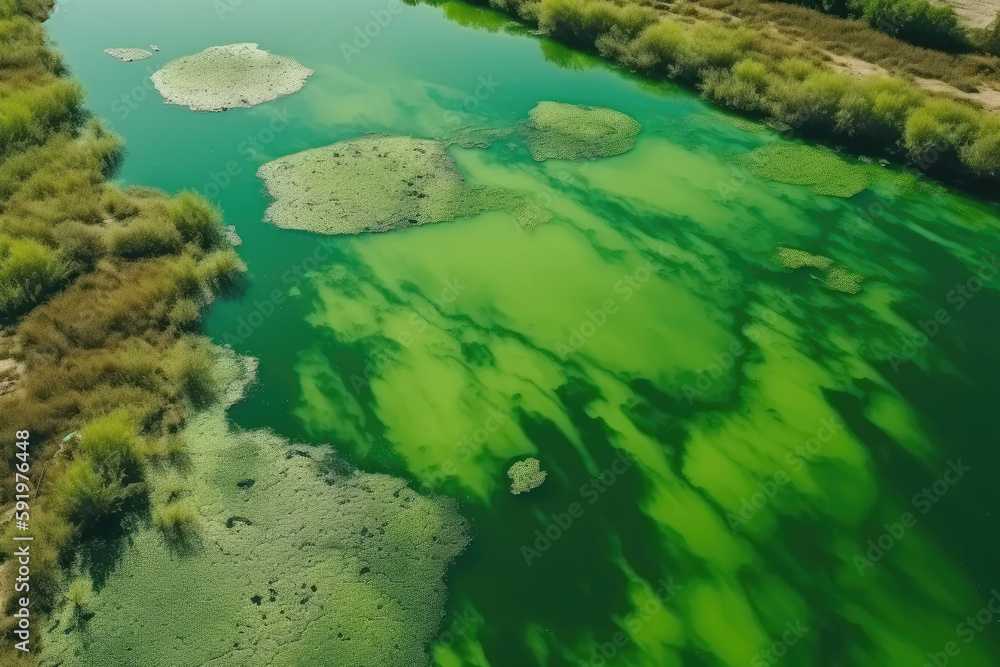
526,475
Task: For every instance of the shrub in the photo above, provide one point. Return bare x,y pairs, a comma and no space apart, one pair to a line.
987,39
220,270
189,367
81,245
658,46
197,220
28,271
175,518
146,237
728,90
940,124
582,21
919,22
113,437
983,154
89,493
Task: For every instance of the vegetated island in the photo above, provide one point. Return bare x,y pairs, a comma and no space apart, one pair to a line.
526,475
381,182
122,400
817,76
228,77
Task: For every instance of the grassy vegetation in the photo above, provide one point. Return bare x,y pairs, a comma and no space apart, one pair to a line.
921,22
987,39
100,294
812,34
740,67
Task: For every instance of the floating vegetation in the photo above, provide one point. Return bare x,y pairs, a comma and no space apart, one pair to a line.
838,277
313,564
526,475
472,136
821,170
378,183
227,77
572,132
128,55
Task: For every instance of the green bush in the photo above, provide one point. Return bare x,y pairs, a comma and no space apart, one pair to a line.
28,271
176,518
940,124
919,22
89,493
581,22
987,39
197,220
105,476
146,237
189,367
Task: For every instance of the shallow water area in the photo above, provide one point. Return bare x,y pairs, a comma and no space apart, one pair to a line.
743,465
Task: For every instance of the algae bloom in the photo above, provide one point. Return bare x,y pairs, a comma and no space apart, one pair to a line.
128,55
226,77
526,475
820,169
837,276
378,183
573,132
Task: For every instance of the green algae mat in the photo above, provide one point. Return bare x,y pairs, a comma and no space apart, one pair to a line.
742,386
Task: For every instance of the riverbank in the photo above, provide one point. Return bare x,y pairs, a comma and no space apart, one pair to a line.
101,291
778,62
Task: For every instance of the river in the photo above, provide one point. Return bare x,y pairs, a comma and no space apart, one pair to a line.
745,467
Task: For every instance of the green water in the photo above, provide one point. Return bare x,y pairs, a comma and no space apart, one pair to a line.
722,438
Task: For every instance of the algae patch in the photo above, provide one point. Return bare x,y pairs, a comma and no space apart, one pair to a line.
837,276
228,77
378,183
573,132
820,169
292,559
554,130
128,55
526,475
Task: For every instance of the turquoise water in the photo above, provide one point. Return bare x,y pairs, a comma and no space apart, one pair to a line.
745,467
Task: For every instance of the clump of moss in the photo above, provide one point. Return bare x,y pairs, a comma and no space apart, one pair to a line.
836,276
128,55
526,475
378,183
571,132
227,77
